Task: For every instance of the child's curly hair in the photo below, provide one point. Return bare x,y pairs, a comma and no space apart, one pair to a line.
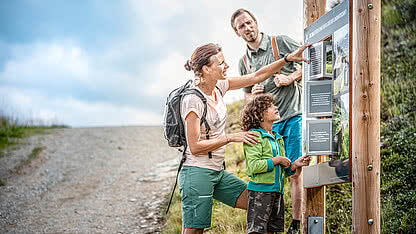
253,112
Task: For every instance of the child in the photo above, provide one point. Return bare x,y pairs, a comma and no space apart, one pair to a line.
265,165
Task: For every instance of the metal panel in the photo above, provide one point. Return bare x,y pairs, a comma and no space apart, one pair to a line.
320,56
316,58
327,173
315,225
319,137
311,176
319,98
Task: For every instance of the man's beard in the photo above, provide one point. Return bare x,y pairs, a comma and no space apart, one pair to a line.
251,39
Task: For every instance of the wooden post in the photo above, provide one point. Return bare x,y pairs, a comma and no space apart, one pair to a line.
366,116
312,10
313,198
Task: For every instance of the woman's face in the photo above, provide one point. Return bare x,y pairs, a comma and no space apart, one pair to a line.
218,67
271,114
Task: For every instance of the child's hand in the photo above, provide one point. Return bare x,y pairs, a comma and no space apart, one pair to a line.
301,162
285,162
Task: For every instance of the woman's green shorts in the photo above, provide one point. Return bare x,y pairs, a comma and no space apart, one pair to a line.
199,186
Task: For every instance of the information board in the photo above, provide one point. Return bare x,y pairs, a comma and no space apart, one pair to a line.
326,122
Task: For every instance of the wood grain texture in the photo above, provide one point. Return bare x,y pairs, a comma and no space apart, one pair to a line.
366,116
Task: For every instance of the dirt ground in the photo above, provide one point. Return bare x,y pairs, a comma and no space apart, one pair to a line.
87,180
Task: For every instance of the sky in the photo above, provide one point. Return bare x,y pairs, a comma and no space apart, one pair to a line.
99,63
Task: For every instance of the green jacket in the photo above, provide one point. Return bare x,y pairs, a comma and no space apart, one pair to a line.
264,175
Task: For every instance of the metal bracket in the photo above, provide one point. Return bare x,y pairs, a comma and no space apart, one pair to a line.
315,225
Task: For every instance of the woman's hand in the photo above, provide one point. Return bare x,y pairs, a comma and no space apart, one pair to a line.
249,137
296,56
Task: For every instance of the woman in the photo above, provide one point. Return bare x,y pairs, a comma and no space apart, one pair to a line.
202,177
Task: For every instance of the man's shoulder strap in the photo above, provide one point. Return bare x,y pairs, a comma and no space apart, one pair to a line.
275,50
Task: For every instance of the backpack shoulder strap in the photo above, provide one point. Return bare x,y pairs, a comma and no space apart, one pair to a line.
275,49
219,90
204,114
203,99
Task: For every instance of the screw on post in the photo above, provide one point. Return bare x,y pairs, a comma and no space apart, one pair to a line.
370,6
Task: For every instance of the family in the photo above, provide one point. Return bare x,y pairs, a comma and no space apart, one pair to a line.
271,131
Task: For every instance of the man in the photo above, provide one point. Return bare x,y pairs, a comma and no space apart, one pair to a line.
284,87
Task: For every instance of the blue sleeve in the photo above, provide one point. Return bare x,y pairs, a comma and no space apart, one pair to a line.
270,164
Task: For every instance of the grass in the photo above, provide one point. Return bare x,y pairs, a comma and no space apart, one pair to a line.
35,153
32,156
11,132
10,135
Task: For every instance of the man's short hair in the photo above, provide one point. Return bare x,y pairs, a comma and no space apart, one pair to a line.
237,13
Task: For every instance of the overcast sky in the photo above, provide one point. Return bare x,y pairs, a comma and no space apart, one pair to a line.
112,63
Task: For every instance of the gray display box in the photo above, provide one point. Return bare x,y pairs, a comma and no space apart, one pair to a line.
319,98
319,137
320,55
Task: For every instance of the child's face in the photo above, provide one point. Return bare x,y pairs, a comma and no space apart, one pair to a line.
271,114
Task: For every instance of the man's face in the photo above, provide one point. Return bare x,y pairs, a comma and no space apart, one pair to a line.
246,27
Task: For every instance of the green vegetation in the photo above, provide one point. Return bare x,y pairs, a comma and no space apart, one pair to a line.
398,117
32,156
11,132
338,208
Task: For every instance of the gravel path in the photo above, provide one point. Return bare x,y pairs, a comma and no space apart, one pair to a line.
88,180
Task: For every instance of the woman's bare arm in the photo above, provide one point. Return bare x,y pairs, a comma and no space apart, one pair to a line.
266,71
198,146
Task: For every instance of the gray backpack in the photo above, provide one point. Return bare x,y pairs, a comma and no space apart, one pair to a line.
173,126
